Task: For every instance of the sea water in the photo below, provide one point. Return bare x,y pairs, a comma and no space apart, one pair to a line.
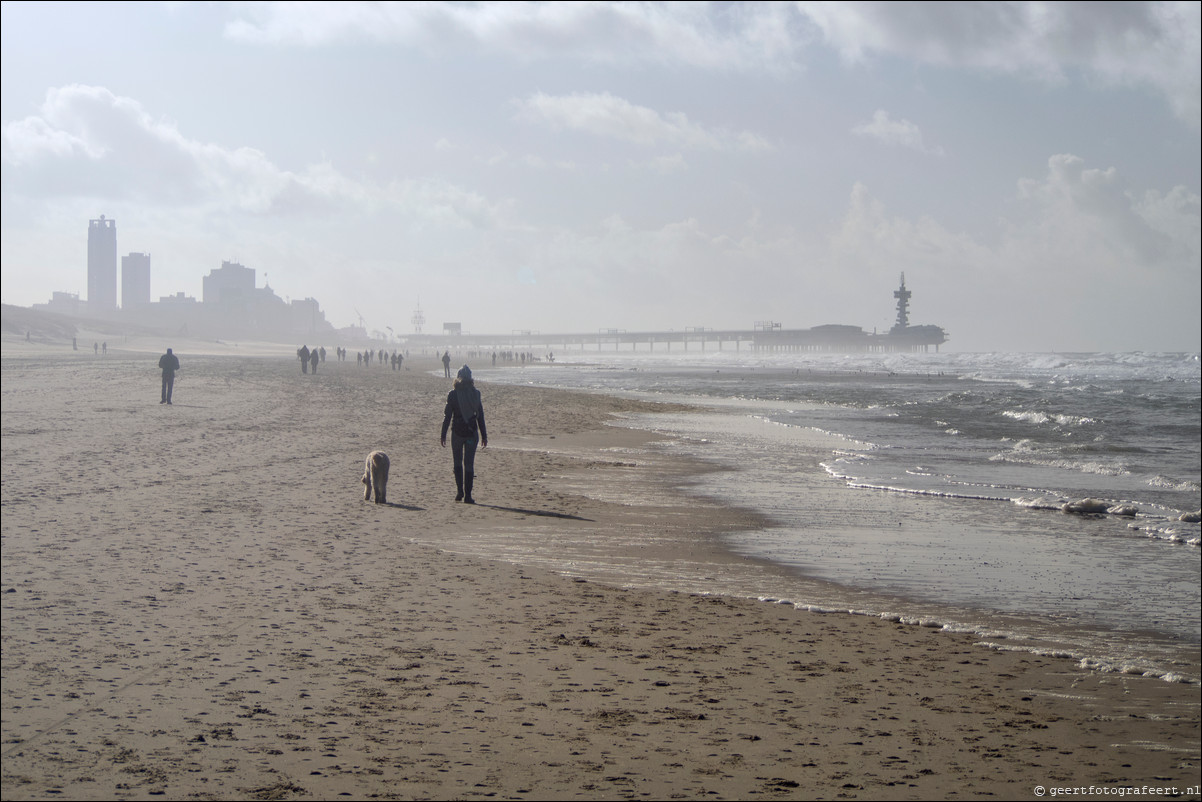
1016,495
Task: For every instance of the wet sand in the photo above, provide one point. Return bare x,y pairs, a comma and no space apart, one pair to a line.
198,603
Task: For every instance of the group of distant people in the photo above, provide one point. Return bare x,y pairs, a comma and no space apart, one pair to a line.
504,356
310,359
395,359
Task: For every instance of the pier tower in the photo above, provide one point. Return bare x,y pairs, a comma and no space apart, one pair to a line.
903,306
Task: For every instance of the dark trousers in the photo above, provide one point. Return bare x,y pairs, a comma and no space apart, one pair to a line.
463,451
168,385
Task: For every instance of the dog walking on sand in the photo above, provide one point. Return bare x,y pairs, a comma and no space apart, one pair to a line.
375,477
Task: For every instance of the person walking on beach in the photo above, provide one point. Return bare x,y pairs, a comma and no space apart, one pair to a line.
314,356
169,363
446,364
303,355
464,416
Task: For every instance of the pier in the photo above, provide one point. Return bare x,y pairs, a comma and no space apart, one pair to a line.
764,337
847,339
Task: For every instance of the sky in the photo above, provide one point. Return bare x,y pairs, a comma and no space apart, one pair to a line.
1032,168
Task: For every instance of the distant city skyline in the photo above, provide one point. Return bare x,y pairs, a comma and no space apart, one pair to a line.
1033,168
231,304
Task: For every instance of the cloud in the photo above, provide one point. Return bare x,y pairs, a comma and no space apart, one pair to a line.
88,142
888,131
875,244
1120,44
1153,44
1177,215
607,116
760,36
1084,220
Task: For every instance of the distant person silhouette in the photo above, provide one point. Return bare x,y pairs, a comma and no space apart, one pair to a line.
104,347
169,363
74,345
303,354
464,416
446,364
313,358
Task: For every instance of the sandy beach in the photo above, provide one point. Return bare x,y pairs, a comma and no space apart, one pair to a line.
199,604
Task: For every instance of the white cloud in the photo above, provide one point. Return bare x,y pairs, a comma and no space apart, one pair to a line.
604,115
88,141
1153,44
26,141
1177,215
888,131
871,242
1084,221
758,36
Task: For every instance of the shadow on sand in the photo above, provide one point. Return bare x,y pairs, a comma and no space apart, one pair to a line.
542,513
409,507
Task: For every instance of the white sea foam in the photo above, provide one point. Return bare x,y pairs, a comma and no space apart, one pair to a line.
1059,419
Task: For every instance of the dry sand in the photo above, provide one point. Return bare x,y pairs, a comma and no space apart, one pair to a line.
198,604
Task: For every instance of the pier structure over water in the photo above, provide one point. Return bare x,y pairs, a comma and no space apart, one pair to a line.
850,339
766,336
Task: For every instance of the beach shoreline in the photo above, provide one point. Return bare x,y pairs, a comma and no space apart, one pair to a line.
201,605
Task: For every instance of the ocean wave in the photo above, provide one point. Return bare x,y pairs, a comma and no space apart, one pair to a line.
1025,453
1169,483
1107,665
1172,532
915,491
1059,419
1014,642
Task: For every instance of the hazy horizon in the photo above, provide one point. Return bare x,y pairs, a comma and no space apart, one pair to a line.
1033,169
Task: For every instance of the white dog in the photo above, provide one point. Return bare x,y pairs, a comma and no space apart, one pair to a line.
375,476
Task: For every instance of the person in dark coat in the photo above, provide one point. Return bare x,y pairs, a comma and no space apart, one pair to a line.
169,364
303,355
464,416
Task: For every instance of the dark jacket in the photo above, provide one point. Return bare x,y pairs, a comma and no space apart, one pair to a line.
453,416
169,363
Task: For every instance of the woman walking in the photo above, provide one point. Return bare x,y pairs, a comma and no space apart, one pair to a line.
464,416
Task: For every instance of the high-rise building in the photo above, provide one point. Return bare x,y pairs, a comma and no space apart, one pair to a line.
102,265
135,280
231,284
